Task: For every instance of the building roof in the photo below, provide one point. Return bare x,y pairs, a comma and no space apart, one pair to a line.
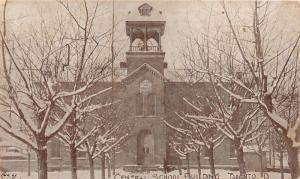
148,67
11,142
184,75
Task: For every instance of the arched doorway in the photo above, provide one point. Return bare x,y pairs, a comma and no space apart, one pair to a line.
145,147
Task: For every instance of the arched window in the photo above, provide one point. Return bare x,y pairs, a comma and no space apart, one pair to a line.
138,45
145,100
152,45
150,104
139,105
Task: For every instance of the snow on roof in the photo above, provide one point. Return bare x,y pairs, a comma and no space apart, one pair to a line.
182,75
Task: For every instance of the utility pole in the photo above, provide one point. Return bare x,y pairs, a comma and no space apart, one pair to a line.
112,46
103,156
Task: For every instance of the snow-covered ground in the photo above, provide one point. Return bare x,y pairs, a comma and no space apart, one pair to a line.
120,174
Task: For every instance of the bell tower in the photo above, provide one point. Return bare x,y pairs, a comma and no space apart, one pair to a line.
145,30
144,87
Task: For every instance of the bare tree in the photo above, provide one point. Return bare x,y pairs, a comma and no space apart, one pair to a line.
260,144
233,117
202,135
183,148
264,92
35,87
248,62
280,148
90,42
183,144
73,133
229,118
110,133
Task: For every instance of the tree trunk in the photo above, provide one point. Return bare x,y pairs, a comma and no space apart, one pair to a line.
187,156
91,164
199,163
293,160
211,160
281,164
270,146
260,155
73,158
261,165
42,163
114,162
108,168
273,154
240,157
103,166
28,163
179,166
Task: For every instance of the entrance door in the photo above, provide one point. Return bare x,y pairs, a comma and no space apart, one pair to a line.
145,148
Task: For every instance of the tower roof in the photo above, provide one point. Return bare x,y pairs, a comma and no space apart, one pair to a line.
145,9
145,12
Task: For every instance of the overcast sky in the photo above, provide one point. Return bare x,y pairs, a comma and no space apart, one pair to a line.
181,18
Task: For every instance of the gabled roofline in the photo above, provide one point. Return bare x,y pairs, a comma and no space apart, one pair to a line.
145,4
149,68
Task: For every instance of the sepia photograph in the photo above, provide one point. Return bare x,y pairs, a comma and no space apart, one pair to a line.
149,89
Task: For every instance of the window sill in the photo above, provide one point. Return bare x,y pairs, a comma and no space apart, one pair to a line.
56,158
206,158
232,158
